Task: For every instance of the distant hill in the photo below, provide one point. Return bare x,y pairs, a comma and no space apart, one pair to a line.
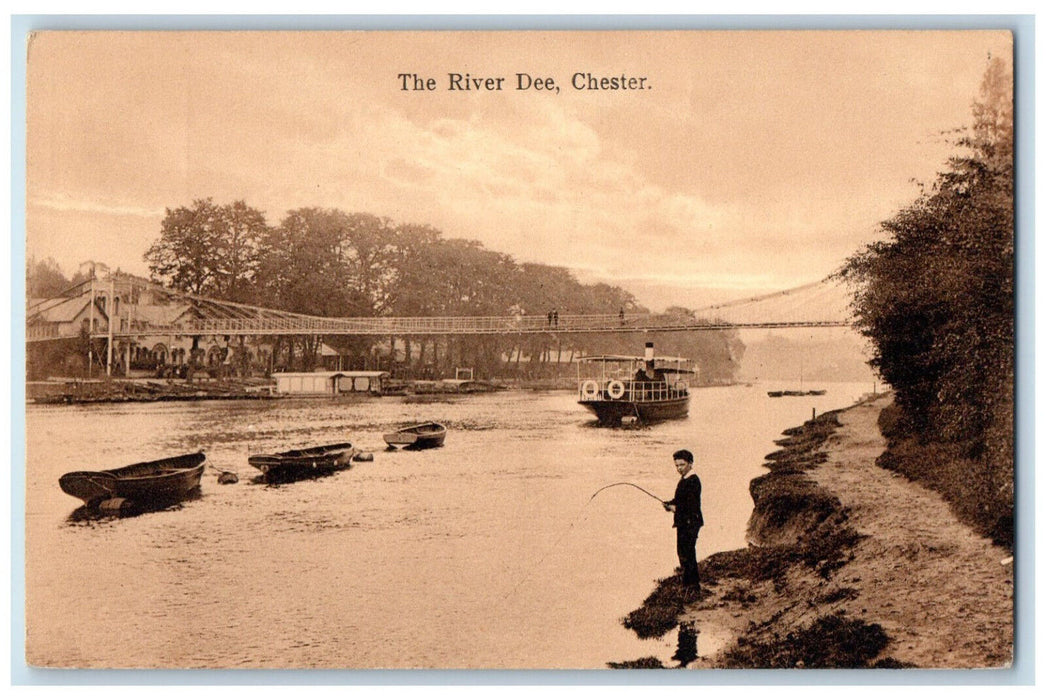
830,355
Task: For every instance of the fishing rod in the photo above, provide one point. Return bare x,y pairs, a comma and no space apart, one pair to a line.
627,483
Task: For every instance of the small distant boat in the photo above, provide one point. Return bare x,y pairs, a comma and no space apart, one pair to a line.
418,437
293,465
146,484
799,391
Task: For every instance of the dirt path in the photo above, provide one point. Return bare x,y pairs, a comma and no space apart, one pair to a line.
943,594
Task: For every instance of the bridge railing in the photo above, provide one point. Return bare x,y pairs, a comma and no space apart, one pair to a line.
446,325
393,325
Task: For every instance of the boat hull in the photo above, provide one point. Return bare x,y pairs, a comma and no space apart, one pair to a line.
294,465
611,411
419,437
146,484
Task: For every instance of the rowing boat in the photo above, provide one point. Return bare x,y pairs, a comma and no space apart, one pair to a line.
417,437
293,465
147,484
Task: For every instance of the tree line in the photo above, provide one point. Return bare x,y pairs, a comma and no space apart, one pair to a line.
327,262
936,300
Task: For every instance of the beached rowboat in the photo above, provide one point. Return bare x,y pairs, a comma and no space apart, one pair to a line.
159,482
304,463
417,437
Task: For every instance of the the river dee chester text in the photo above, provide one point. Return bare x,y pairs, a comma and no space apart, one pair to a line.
467,82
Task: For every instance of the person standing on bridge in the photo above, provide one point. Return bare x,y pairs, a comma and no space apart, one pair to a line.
687,518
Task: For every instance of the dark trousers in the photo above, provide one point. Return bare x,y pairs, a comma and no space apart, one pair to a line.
686,548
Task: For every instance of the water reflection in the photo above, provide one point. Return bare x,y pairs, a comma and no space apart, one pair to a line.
117,508
686,649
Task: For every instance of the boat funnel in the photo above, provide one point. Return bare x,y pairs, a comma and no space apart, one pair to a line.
649,352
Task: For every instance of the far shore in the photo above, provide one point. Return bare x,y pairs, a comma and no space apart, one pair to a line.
203,387
849,566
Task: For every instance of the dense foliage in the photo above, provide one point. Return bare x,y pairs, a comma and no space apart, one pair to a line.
327,262
44,279
936,299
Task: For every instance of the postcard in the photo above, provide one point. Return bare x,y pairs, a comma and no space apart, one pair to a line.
680,350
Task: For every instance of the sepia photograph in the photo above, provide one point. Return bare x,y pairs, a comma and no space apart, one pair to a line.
675,350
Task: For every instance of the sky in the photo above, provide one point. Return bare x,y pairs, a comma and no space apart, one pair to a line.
750,162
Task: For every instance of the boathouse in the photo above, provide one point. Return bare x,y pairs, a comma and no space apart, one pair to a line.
329,383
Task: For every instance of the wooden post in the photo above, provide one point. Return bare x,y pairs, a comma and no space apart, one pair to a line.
109,323
90,332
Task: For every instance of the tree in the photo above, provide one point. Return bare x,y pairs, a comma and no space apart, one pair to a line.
369,249
937,296
302,270
185,256
238,251
936,299
44,279
209,249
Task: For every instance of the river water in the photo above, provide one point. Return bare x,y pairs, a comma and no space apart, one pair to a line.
486,553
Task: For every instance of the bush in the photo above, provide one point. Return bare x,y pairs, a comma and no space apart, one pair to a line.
936,300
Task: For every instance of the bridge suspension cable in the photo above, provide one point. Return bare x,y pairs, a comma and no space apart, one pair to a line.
150,309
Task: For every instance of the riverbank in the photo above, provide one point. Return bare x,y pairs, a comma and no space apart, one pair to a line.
205,388
849,566
92,391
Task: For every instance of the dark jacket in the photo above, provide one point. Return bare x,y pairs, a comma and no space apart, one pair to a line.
688,504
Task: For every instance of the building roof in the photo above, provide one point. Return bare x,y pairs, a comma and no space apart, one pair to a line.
60,310
629,358
160,314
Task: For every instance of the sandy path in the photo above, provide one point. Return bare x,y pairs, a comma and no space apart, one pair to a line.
940,591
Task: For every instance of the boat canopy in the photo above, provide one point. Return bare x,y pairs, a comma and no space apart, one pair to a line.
629,358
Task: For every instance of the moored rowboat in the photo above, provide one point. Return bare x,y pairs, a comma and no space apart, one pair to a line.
299,464
417,437
160,482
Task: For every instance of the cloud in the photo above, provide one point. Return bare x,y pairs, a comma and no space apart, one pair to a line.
752,162
67,204
543,190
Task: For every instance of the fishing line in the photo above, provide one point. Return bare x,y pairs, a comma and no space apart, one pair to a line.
551,549
566,532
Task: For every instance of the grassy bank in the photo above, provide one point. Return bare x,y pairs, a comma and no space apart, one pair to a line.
850,566
798,526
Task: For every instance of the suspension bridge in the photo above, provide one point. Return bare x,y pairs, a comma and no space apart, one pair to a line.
123,306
